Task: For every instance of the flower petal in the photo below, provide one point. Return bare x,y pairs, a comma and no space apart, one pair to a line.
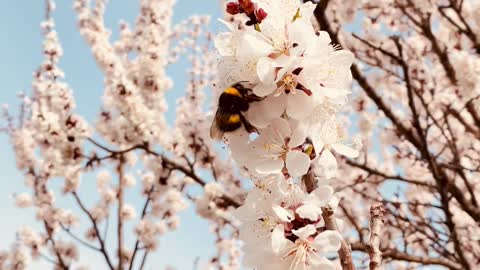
343,58
238,142
306,10
224,44
266,70
334,202
345,150
304,35
262,89
297,163
298,136
323,194
281,127
322,263
269,166
329,163
304,232
261,113
340,224
335,92
309,211
278,239
317,141
253,46
282,213
328,241
299,105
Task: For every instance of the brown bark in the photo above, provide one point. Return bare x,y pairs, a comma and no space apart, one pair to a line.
373,246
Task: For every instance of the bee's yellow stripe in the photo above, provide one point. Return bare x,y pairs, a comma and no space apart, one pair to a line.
232,91
234,118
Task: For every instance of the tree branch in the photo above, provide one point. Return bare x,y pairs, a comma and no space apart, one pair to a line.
103,249
373,246
345,252
60,262
396,254
171,164
137,243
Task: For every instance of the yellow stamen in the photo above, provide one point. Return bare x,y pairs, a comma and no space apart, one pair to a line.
309,150
297,15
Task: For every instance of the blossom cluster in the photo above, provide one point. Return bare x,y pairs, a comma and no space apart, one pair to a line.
52,141
300,81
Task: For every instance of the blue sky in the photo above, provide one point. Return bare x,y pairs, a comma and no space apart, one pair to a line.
20,54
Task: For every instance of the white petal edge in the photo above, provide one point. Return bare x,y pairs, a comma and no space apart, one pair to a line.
269,166
329,163
304,232
278,239
345,150
309,211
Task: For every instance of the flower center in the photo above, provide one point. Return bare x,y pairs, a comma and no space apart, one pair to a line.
288,84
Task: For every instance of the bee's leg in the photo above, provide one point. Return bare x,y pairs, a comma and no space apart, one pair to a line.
249,127
253,98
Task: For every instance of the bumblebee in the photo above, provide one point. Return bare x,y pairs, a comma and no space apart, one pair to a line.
233,101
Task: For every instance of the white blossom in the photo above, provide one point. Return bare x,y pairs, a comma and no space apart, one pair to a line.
23,200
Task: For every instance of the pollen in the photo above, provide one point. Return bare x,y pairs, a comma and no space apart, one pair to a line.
288,81
234,118
297,15
288,84
309,150
265,223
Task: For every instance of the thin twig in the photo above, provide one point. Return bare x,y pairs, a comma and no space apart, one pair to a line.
97,231
120,209
167,162
144,212
144,260
81,241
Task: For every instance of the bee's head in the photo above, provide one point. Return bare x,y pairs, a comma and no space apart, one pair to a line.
242,88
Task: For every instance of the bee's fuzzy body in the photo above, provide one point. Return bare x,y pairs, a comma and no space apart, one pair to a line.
233,101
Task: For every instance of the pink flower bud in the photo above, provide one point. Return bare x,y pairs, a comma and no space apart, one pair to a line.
261,15
247,5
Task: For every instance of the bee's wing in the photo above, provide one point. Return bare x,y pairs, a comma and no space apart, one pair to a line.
215,132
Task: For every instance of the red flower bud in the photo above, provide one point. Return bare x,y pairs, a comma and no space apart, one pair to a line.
261,15
247,5
233,8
